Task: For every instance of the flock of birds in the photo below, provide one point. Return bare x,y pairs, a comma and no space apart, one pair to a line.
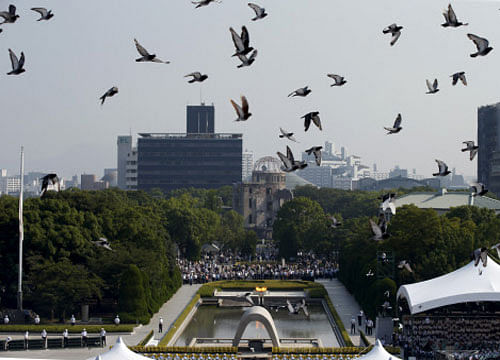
293,309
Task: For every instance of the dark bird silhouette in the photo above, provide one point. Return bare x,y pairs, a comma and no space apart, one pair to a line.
10,16
17,65
480,254
478,189
316,150
146,56
289,163
482,45
44,14
49,179
396,127
202,3
339,80
472,148
247,61
304,91
395,31
260,13
314,117
443,169
459,76
197,77
109,93
432,88
451,19
241,43
241,111
286,134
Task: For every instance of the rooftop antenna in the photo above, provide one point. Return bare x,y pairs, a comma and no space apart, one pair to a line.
21,236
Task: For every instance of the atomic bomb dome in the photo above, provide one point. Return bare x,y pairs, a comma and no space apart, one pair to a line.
268,164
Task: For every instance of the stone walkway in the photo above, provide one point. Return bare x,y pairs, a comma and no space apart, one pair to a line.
169,311
346,307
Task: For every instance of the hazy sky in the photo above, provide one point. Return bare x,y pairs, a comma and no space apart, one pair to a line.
71,60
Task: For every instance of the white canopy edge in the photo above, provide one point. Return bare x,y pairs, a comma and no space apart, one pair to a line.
119,351
378,353
466,284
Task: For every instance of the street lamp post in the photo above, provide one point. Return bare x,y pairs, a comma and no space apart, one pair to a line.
21,237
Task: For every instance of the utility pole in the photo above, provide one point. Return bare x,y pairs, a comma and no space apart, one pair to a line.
21,236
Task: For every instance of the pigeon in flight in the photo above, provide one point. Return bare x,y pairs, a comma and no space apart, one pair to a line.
388,202
339,80
241,43
247,61
201,3
288,135
433,88
289,163
304,91
146,56
472,148
9,16
49,179
44,14
241,111
396,127
458,76
314,117
294,309
478,189
104,243
482,45
403,264
387,293
379,230
442,168
395,31
480,254
260,13
197,77
497,247
109,93
316,150
369,273
17,65
334,222
451,19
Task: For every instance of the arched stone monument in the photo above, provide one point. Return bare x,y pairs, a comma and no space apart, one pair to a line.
260,314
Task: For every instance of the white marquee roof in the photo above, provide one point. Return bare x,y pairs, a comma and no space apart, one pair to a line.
120,351
460,286
377,353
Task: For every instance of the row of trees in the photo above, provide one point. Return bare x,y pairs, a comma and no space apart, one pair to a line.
64,268
432,244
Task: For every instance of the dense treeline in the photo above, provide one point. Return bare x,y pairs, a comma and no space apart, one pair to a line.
64,268
433,244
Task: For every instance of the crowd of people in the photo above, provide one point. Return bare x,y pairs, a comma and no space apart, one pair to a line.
424,335
226,266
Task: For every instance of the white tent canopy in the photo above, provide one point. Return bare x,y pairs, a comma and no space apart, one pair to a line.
467,284
120,351
377,353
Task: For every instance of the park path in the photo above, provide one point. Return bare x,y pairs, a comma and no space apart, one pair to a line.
169,311
346,307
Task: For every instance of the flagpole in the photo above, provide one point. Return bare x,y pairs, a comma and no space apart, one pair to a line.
21,236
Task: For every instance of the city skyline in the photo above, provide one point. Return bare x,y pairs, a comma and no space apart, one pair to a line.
67,118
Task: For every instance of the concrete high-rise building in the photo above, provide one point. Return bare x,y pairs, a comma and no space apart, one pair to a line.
131,177
398,172
87,181
111,176
200,119
247,165
488,140
124,146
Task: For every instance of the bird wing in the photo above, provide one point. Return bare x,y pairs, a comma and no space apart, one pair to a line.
285,133
446,17
454,79
435,84
42,11
140,48
307,121
12,9
5,14
481,43
238,109
397,122
256,8
286,161
395,37
389,28
289,306
442,166
468,143
245,37
196,74
451,15
238,43
21,60
254,55
429,85
317,121
289,154
244,104
376,230
472,154
317,155
408,267
463,79
335,77
484,257
13,60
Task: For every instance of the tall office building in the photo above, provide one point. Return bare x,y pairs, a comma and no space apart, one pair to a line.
199,158
488,139
200,119
124,144
247,165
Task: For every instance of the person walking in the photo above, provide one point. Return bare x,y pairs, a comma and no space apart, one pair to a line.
26,338
353,325
160,325
73,320
103,337
65,338
84,337
44,338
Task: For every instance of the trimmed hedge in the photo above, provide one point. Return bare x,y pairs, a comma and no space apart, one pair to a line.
184,349
126,328
323,350
179,321
340,324
147,338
